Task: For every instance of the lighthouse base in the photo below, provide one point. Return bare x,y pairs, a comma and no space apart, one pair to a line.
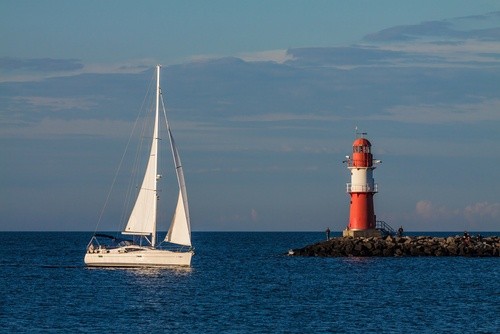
372,232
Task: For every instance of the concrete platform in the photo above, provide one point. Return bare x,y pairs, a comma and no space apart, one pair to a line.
362,233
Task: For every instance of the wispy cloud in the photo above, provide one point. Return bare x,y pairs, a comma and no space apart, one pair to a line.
39,64
277,56
364,55
471,27
55,103
254,215
37,69
484,110
56,128
482,211
427,210
471,41
467,53
281,117
481,215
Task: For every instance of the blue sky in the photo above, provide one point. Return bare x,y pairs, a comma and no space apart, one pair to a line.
173,31
264,98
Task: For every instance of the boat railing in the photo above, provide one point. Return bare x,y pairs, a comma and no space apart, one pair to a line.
94,246
175,247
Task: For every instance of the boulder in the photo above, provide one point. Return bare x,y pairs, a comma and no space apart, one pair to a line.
402,246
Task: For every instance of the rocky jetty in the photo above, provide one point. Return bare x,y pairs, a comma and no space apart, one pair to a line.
403,246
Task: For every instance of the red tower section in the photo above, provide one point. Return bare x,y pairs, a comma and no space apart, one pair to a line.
361,189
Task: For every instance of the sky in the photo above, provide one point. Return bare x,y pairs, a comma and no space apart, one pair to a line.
264,98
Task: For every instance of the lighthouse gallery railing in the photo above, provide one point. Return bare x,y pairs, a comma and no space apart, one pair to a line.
364,188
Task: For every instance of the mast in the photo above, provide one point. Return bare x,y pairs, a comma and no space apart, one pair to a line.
155,137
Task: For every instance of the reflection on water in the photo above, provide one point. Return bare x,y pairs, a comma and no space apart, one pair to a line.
149,271
160,271
356,260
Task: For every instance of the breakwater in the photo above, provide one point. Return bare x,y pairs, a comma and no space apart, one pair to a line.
403,246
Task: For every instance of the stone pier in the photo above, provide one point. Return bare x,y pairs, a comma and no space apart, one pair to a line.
403,246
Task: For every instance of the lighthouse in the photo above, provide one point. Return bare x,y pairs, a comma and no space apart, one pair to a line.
362,221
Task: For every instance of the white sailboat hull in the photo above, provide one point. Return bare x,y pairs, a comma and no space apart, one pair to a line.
137,257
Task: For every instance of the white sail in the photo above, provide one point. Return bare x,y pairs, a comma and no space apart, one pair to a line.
180,228
142,220
143,217
179,231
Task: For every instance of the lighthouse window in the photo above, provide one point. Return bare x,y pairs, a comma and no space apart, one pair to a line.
366,149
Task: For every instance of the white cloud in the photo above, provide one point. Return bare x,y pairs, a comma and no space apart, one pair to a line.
427,210
483,210
129,67
476,215
277,56
254,215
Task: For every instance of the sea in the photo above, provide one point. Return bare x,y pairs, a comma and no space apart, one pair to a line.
242,282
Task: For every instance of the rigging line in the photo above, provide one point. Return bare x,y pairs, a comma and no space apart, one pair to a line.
170,135
121,161
164,110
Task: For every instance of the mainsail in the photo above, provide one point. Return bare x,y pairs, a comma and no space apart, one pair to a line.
142,220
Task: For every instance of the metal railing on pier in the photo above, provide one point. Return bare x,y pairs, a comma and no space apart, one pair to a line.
385,228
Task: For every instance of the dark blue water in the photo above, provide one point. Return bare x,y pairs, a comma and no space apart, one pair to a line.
242,283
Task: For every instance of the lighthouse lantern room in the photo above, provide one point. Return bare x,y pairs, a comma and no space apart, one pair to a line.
362,220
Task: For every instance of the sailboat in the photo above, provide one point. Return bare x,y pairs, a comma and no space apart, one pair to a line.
142,249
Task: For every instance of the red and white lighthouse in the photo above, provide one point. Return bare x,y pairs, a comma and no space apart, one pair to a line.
362,221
